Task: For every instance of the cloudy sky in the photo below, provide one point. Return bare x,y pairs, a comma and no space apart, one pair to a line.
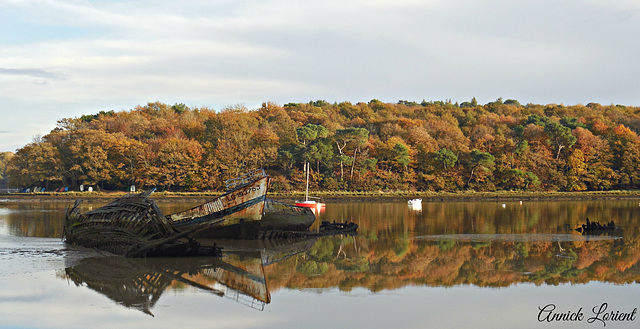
66,58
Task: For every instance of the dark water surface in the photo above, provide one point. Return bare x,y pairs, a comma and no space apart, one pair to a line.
446,265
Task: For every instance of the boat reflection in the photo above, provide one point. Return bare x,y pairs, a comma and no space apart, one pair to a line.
139,283
136,283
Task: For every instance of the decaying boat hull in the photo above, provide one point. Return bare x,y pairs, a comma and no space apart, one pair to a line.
281,216
241,207
132,226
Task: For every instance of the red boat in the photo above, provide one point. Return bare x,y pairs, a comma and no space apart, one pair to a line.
310,204
318,206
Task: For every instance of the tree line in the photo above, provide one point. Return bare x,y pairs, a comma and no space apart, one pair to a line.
373,146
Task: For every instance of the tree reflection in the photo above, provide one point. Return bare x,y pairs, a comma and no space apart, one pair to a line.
449,262
447,244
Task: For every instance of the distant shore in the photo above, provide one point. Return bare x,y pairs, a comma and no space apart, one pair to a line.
338,196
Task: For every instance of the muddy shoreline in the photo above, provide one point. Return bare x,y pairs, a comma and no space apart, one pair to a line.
340,197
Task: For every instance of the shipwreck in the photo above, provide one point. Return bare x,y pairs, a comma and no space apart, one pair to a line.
242,207
133,226
247,211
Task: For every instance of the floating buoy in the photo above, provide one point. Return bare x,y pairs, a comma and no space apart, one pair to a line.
504,205
521,202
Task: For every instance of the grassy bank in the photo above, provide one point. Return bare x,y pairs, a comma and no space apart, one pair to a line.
335,196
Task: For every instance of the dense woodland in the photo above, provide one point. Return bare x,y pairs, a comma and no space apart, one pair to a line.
374,146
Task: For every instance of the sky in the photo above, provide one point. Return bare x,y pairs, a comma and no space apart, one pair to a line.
66,58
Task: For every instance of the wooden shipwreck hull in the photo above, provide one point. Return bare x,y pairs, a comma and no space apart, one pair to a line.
132,226
241,206
282,216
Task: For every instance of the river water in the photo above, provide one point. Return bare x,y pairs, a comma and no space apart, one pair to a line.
442,265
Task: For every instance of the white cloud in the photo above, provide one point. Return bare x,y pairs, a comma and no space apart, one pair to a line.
216,53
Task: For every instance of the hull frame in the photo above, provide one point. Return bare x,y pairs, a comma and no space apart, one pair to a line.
242,208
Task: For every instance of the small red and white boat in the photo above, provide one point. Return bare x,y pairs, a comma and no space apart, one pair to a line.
310,204
316,205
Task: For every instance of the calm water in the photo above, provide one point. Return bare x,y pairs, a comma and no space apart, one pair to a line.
446,265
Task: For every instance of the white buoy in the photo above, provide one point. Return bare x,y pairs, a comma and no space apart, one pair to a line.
504,205
521,202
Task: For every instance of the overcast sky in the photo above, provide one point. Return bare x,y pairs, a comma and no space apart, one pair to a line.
66,58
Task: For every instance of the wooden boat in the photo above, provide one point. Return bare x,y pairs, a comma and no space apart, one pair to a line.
318,206
132,226
282,216
241,206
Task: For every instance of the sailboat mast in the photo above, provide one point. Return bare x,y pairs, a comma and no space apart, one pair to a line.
306,193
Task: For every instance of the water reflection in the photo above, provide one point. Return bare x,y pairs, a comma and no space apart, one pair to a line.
451,262
446,244
130,282
139,283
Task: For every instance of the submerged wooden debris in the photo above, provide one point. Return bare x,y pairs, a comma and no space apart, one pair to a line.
132,226
332,228
595,227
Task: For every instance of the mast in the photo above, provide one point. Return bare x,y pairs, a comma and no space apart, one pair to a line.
306,193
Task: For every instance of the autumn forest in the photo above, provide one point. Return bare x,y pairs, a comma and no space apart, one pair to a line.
374,146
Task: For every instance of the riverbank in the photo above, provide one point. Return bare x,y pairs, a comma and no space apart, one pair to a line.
338,196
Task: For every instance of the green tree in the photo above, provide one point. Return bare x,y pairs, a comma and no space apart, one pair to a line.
313,145
310,132
446,158
401,155
560,136
512,102
571,123
479,159
355,139
520,180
